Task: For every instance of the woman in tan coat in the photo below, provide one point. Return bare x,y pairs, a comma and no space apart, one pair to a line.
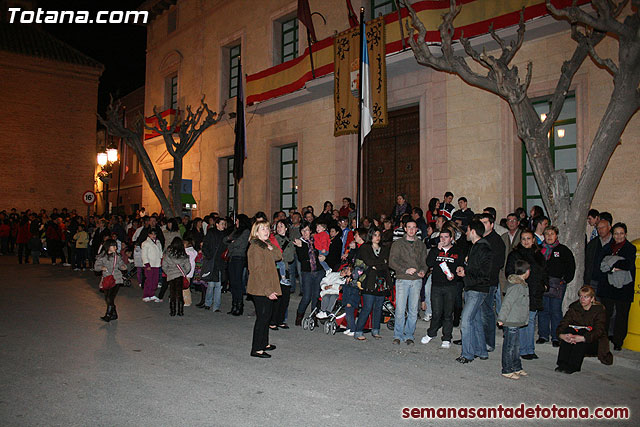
263,285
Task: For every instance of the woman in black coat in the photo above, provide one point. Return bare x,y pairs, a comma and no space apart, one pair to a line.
612,291
375,285
538,281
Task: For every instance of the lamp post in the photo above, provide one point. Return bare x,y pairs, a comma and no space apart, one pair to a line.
106,161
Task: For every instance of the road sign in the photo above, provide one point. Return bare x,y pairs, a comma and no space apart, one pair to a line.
89,197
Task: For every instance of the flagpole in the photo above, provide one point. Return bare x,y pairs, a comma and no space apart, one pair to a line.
359,168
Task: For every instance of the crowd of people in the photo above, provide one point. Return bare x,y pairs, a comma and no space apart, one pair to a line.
460,268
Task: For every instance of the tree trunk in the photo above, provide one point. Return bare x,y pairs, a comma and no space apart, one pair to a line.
176,185
150,175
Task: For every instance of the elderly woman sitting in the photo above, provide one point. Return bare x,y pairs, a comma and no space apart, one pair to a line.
582,332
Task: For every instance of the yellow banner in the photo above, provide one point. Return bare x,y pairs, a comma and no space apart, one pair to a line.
346,49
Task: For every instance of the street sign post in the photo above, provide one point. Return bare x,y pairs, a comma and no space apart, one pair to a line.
88,198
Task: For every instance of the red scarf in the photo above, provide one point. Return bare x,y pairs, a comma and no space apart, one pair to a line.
615,247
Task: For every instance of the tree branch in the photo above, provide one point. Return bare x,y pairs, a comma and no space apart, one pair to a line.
449,62
568,70
605,21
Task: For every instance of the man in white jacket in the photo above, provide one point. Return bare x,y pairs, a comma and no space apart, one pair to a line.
152,260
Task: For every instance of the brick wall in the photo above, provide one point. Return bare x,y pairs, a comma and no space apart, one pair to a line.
47,140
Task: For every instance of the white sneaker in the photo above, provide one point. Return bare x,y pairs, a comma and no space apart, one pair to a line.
426,317
146,299
322,315
76,269
425,339
155,299
349,333
66,264
445,344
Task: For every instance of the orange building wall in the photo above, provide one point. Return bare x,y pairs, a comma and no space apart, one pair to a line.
48,132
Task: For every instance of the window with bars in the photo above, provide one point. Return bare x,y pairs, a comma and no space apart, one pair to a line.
289,177
234,70
563,147
230,186
289,39
173,92
382,7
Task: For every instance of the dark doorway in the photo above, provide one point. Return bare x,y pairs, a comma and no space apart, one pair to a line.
392,162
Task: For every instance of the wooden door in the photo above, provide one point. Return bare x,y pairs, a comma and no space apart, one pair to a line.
392,162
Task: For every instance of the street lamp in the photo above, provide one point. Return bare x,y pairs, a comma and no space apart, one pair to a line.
106,161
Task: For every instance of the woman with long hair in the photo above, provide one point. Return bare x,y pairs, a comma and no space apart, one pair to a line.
312,271
375,285
434,209
288,256
237,244
108,262
176,265
263,285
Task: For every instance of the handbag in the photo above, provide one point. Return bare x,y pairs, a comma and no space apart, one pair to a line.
225,255
185,280
109,281
556,288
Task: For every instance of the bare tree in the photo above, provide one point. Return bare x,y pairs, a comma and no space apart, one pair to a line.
588,28
187,130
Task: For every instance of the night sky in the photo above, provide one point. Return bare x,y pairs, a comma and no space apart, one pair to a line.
119,47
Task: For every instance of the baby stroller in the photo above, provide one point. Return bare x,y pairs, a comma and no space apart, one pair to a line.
389,307
330,323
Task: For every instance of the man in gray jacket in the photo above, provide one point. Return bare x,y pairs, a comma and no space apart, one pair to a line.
409,260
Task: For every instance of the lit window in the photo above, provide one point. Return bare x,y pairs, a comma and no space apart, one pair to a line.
563,147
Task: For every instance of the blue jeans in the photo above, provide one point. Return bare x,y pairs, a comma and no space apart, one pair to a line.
407,300
293,273
489,318
471,326
427,296
310,285
549,318
370,303
511,350
214,291
527,335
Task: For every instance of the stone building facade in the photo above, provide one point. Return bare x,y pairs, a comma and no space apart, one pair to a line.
466,139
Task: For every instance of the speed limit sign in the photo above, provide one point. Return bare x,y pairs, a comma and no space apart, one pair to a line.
89,197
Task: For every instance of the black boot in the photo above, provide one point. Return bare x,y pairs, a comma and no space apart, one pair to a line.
180,307
201,303
172,307
239,309
457,312
234,308
114,314
107,315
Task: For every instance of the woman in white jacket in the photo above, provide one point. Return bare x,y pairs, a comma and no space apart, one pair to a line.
152,260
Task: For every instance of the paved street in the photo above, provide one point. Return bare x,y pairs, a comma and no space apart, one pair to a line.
61,365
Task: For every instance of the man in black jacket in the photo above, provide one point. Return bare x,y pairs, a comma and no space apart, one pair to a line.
476,275
592,253
153,225
493,302
444,260
212,247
